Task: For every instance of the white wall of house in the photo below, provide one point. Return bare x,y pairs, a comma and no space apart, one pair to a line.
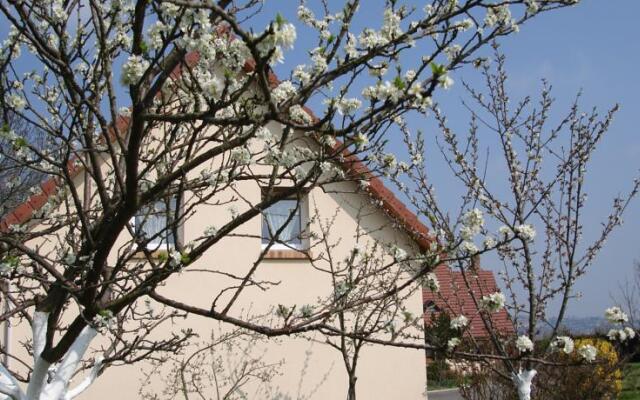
383,373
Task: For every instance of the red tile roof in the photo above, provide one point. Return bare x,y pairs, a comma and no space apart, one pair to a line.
455,298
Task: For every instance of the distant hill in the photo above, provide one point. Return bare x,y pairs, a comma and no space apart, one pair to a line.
586,325
581,326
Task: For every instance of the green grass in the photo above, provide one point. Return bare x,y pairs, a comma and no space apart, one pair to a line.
631,383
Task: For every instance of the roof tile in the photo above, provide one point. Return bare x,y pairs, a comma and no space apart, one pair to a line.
457,298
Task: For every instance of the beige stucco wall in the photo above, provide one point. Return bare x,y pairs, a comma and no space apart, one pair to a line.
383,372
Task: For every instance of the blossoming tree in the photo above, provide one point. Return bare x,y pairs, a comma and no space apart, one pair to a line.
530,216
200,92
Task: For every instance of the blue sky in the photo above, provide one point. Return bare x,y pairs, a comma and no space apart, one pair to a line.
593,47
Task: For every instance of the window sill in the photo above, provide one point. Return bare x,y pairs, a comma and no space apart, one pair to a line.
287,254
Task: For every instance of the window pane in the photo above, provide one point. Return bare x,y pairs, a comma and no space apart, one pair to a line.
152,220
276,216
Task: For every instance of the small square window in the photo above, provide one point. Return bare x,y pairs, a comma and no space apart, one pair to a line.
151,223
283,216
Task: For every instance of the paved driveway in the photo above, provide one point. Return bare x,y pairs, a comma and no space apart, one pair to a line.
448,394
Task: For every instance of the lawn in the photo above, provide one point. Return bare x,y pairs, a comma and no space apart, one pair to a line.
631,383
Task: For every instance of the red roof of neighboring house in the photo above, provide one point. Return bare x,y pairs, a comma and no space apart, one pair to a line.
455,298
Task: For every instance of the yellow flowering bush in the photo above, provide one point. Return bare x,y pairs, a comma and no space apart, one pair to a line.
607,371
598,380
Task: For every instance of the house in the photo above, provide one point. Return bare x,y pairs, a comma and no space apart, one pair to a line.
294,269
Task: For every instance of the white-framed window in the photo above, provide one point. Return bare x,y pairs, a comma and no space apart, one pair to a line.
151,223
286,217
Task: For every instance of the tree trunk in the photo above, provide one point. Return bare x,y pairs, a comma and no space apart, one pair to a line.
523,381
351,395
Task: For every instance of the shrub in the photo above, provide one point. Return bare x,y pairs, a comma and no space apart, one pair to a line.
601,380
572,379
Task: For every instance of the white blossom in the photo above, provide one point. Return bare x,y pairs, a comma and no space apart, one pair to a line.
505,232
283,91
615,315
526,232
319,61
361,139
453,343
465,24
524,344
499,15
305,15
124,111
10,264
631,333
328,140
58,13
104,319
264,134
399,253
617,335
348,106
155,34
445,81
285,35
350,47
621,335
240,155
493,302
532,6
563,343
299,115
301,74
489,242
588,352
133,69
15,101
5,269
169,9
391,25
175,258
453,51
431,282
467,233
459,322
389,161
69,258
369,39
469,247
473,218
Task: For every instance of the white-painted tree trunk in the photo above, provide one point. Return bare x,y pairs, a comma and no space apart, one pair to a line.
523,381
57,388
